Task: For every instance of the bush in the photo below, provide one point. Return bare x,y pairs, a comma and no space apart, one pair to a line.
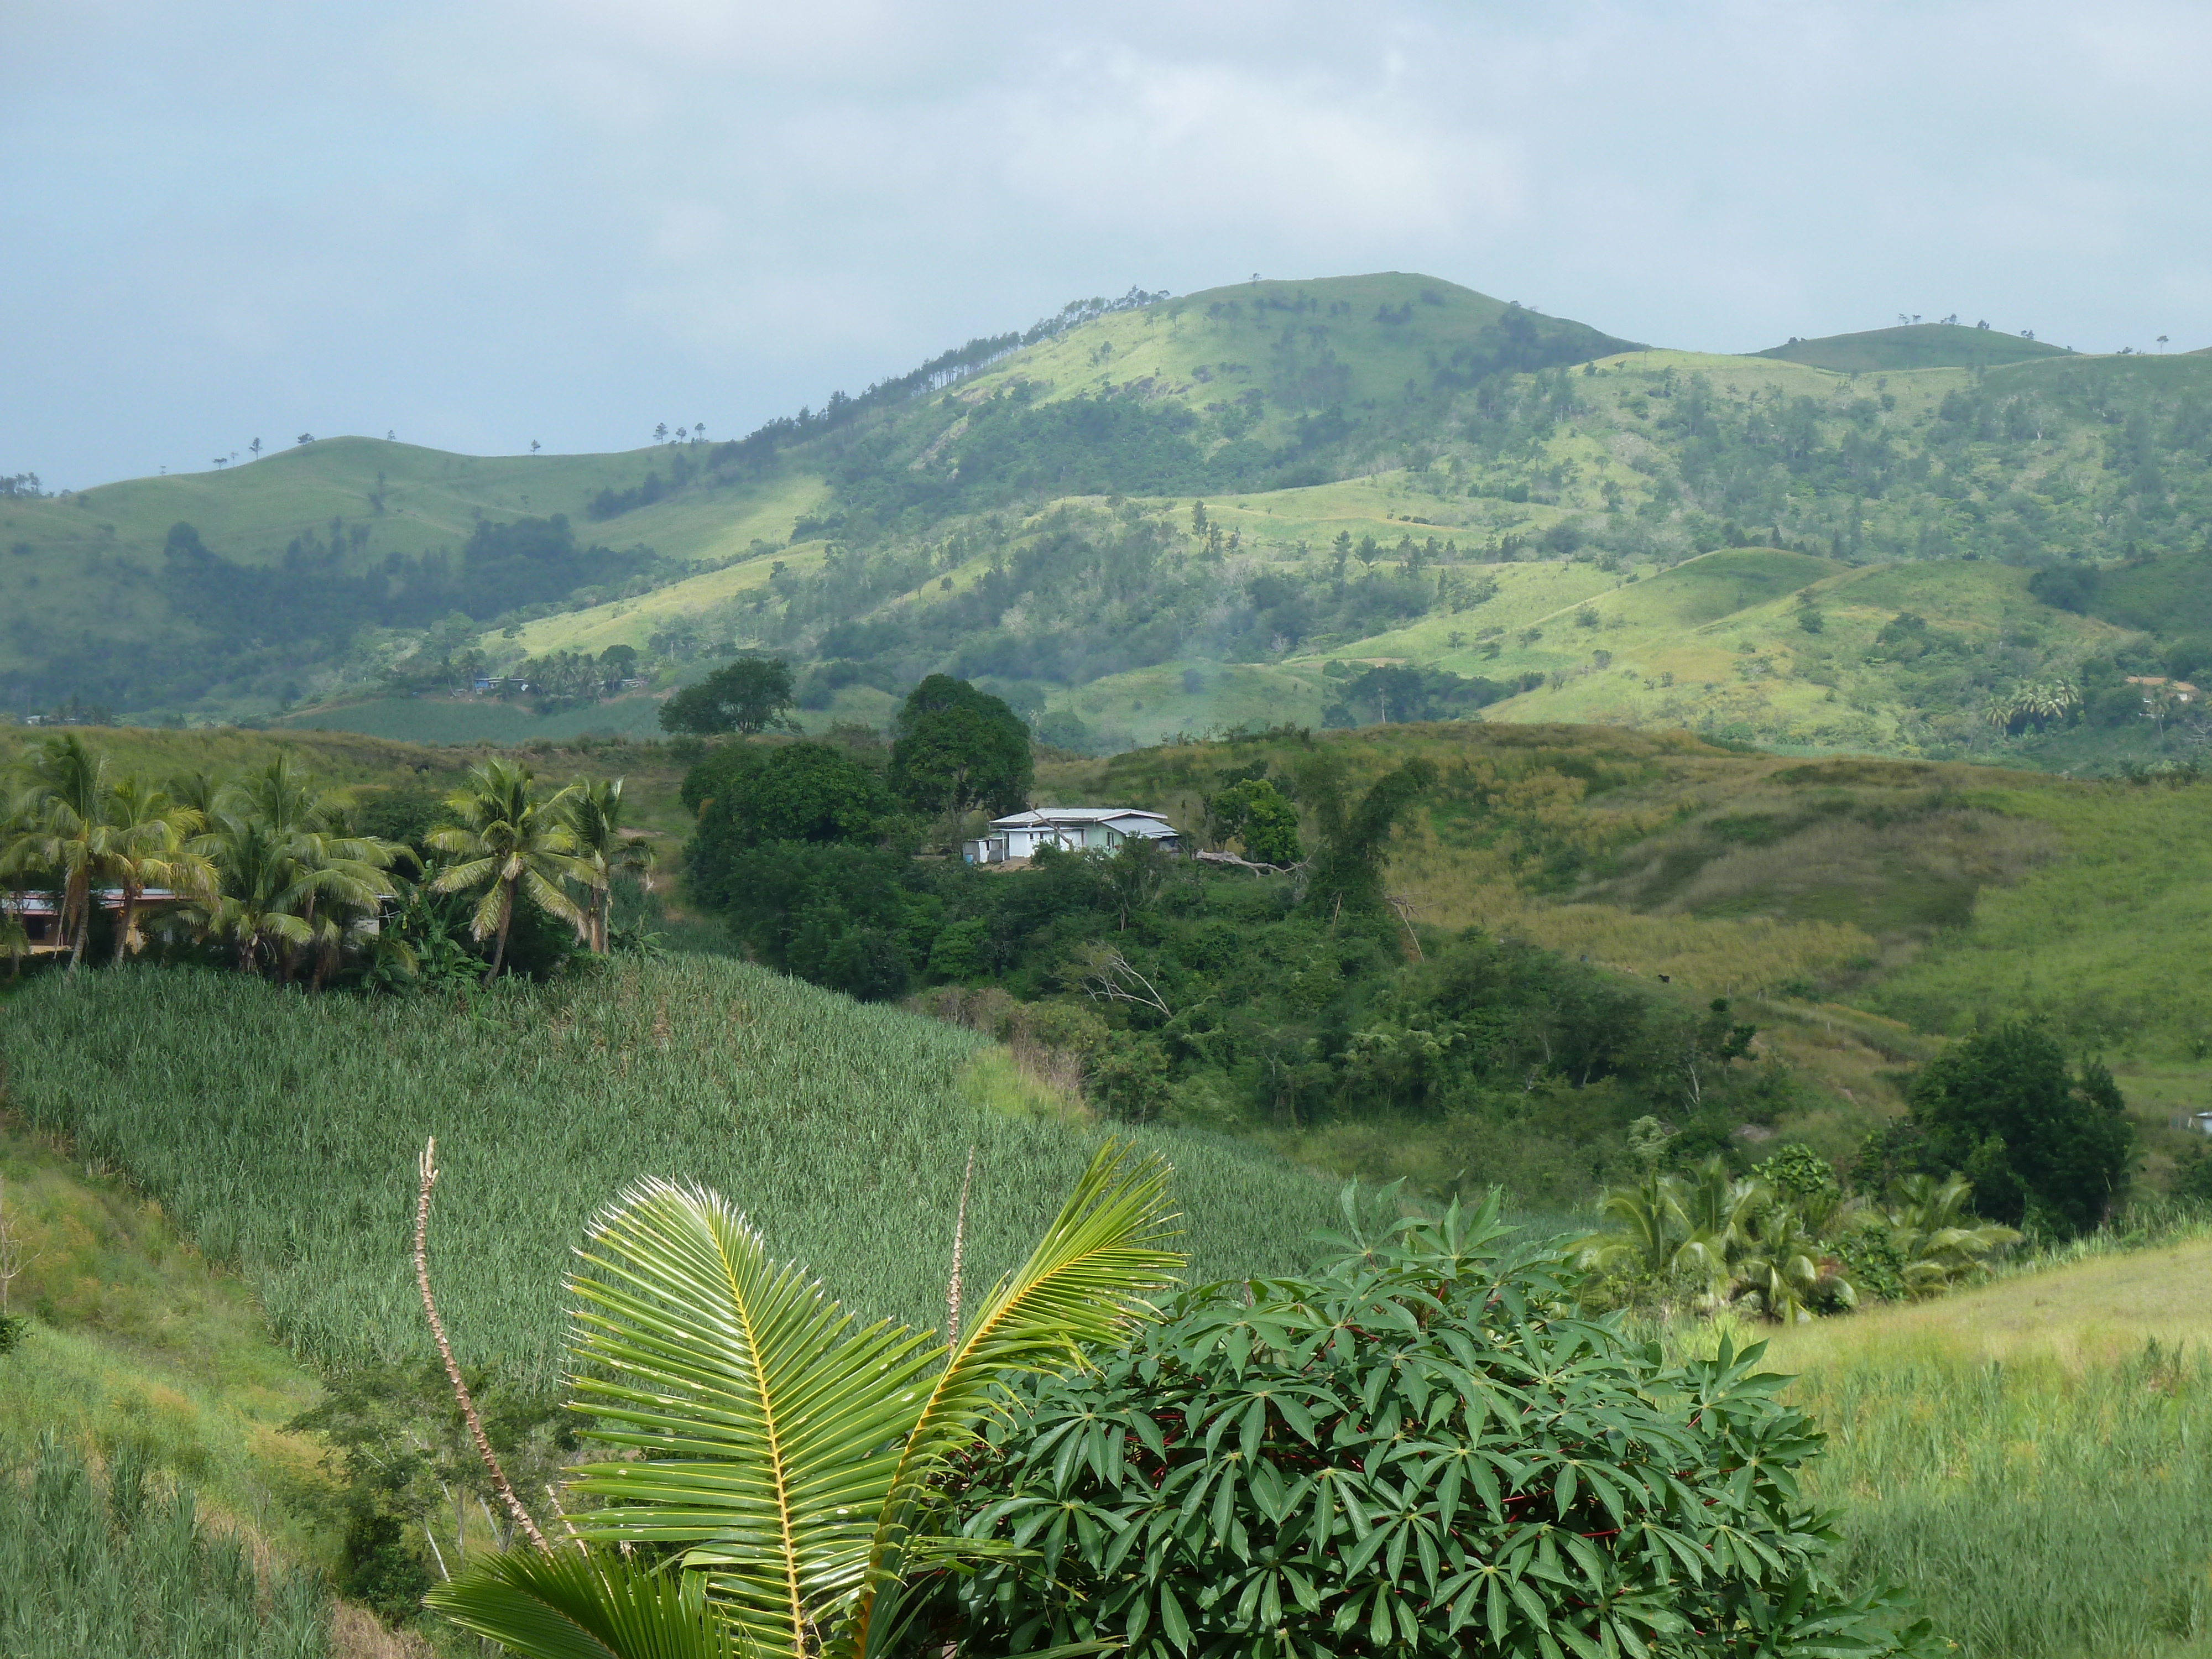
2038,1139
1421,1451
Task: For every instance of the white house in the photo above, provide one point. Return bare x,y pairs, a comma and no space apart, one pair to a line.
1076,829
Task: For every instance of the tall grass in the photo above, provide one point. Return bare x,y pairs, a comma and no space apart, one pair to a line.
2026,1455
2039,1512
116,1567
280,1131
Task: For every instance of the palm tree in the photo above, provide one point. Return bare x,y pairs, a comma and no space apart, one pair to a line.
69,806
18,819
254,909
1785,1272
511,842
595,812
794,1456
335,866
1665,1228
146,848
1938,1235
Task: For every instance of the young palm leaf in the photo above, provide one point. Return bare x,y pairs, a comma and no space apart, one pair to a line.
788,1450
565,1606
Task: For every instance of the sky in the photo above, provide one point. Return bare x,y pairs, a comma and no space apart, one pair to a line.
475,223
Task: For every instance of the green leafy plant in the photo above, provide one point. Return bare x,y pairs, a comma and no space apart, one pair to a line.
1422,1450
790,1458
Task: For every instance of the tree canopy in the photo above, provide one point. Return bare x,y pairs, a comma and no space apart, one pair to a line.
1421,1451
2040,1141
959,748
1355,834
748,695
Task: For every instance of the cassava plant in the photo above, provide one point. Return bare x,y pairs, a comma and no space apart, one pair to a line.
1421,1451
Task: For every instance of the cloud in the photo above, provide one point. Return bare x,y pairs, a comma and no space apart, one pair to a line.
483,220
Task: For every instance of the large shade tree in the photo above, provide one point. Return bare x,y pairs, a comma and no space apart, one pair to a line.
748,695
2038,1138
958,748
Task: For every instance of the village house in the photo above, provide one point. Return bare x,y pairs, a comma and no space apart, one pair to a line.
1072,828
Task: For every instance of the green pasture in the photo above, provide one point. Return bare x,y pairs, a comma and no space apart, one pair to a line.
2026,1456
481,721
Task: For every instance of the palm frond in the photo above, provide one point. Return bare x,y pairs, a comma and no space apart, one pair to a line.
566,1606
1086,1279
764,1427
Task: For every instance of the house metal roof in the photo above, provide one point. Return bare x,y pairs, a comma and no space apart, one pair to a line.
1050,817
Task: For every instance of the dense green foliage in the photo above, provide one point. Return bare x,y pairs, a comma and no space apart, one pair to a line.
957,748
1419,1450
123,1565
1213,998
845,1128
1785,1243
746,696
2045,1142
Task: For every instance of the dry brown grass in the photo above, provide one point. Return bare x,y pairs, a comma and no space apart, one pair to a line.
357,1633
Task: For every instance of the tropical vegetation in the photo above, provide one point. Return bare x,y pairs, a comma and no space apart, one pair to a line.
275,874
122,1563
794,1459
1419,1449
1785,1242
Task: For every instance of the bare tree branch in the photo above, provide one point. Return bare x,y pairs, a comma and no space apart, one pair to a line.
429,1168
959,1242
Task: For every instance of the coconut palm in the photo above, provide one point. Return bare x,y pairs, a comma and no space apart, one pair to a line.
147,849
1785,1272
1936,1232
512,842
1665,1228
255,908
67,832
595,815
337,868
18,819
794,1456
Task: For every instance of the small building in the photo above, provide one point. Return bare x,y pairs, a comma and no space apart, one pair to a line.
1072,828
40,913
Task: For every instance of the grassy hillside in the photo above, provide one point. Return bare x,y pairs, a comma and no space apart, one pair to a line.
141,1342
2023,1455
1859,910
841,1127
1917,345
1391,468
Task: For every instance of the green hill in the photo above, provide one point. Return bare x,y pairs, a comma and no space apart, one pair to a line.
1391,469
1917,346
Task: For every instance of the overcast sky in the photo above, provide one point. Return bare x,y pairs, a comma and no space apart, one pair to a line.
477,222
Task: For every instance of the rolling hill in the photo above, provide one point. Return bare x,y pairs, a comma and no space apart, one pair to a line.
1154,516
1917,346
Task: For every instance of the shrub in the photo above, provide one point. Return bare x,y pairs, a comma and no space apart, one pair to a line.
2036,1138
1419,1451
